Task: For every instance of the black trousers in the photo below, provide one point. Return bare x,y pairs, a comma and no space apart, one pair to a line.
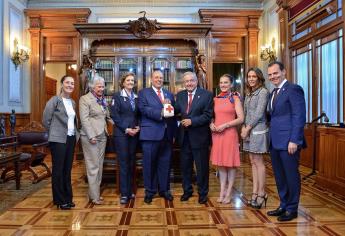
126,149
62,159
201,158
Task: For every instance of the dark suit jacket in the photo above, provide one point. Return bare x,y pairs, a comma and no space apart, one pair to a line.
122,114
152,125
288,117
200,113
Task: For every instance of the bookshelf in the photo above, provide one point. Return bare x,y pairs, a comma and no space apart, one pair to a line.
183,64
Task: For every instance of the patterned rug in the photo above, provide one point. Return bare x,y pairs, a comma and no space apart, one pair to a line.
9,196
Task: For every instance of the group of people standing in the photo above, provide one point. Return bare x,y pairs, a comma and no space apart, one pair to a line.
197,121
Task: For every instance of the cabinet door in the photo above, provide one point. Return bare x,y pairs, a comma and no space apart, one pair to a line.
181,65
164,65
126,65
105,69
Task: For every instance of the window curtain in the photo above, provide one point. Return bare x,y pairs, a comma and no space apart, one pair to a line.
329,77
303,78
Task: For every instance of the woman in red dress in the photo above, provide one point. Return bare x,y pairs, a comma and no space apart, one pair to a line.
225,153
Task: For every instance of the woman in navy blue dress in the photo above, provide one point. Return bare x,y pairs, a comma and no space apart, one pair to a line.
124,113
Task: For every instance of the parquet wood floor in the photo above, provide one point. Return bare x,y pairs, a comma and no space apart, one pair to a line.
320,212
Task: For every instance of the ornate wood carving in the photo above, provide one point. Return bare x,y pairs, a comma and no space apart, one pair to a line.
143,28
35,22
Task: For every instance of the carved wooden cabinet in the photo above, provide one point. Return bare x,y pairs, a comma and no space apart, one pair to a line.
111,59
171,48
331,173
113,68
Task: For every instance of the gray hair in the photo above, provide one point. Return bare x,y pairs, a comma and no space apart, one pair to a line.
189,73
96,79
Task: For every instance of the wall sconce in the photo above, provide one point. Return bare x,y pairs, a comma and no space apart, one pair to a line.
20,54
268,53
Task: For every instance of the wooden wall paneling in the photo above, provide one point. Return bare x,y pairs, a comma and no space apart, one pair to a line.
50,87
331,168
235,33
46,24
61,49
229,49
306,158
22,119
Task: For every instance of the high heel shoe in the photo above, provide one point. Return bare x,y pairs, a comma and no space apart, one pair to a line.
226,200
252,199
220,199
258,204
97,201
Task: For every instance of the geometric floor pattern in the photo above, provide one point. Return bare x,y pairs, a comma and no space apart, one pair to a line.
320,212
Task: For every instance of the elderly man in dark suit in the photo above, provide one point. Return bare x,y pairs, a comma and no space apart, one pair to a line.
156,136
288,116
195,105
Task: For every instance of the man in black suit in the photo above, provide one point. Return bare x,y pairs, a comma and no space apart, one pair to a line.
195,105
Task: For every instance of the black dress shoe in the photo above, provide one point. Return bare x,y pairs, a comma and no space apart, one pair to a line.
71,204
147,199
277,212
166,196
287,216
132,196
64,207
202,199
123,200
185,197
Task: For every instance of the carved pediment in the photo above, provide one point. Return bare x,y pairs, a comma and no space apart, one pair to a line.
143,28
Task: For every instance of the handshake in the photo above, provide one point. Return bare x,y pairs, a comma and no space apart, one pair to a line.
168,109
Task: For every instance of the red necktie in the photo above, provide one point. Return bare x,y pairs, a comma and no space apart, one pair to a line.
190,100
160,95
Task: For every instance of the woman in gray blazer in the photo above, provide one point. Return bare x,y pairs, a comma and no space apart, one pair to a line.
59,118
255,132
94,113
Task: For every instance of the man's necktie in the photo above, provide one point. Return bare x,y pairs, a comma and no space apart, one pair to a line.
160,95
190,100
275,94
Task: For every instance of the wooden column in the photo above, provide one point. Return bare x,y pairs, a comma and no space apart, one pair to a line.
284,36
37,85
253,31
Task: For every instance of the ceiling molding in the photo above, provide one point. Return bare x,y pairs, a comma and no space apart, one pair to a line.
246,4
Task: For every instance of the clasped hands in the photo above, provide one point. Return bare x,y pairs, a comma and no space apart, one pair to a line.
133,131
219,128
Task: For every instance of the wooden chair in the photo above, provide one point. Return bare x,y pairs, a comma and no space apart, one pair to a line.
32,142
110,165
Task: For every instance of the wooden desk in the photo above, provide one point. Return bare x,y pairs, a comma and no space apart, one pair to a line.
8,159
331,173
